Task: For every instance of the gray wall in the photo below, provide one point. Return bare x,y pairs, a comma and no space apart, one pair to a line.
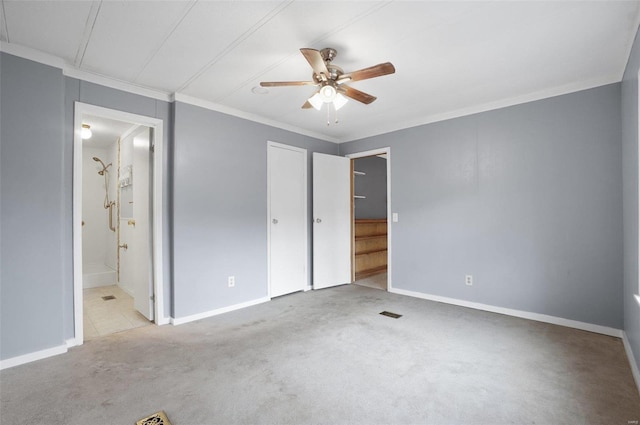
220,170
32,244
527,199
220,207
373,185
630,198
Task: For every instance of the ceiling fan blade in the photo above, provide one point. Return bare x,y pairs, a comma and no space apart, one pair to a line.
314,58
287,83
356,94
366,73
307,105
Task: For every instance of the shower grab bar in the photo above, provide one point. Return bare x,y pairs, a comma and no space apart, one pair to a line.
111,226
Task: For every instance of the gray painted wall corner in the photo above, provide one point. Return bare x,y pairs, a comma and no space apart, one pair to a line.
630,199
526,199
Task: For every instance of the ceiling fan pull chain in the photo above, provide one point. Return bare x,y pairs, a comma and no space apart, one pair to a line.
328,116
335,112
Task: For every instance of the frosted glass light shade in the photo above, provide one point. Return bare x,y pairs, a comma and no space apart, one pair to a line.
86,133
316,101
339,101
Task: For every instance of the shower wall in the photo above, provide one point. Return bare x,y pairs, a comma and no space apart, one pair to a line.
111,258
98,242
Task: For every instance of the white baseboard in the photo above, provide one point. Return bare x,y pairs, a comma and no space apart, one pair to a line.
632,359
163,321
199,316
32,357
72,342
126,290
516,313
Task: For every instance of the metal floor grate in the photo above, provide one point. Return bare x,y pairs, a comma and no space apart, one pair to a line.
159,418
390,314
108,297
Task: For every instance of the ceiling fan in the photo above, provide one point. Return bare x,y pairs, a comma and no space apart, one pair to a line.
331,80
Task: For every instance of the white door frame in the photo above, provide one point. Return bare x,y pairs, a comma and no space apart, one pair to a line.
269,218
380,151
82,109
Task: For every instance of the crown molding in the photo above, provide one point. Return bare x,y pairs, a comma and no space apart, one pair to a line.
372,131
116,84
490,106
179,97
32,54
71,71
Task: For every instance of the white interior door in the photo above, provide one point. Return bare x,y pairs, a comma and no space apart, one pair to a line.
141,235
331,220
287,168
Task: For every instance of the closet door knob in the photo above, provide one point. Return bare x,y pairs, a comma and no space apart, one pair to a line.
274,221
318,220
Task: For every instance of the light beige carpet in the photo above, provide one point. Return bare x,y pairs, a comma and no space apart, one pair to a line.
329,357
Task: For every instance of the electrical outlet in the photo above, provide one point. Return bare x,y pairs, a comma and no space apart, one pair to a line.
231,281
468,280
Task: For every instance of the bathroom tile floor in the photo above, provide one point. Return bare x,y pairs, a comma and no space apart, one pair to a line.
104,317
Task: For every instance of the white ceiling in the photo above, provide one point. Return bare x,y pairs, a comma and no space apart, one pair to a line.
451,57
105,132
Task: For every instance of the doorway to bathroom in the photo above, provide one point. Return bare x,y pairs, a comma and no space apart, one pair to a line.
117,222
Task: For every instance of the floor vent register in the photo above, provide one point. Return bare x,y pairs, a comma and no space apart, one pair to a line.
392,315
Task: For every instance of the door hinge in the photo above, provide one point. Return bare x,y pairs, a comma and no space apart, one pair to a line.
152,298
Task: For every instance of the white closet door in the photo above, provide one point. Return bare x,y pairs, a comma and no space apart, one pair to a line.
287,168
331,220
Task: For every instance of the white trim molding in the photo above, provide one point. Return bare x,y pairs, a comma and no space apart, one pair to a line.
604,330
72,71
632,360
211,313
179,97
32,357
81,109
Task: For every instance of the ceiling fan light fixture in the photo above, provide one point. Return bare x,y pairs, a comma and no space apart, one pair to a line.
339,101
86,132
328,93
316,101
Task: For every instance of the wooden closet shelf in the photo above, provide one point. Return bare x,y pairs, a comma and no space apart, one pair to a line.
370,272
370,247
364,238
370,251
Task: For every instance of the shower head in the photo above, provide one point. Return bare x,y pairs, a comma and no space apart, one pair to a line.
104,167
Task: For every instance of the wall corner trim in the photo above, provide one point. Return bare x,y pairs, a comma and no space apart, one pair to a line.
206,314
604,330
32,357
632,360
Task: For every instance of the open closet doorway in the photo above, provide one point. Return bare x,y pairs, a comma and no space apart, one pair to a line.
117,222
370,215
